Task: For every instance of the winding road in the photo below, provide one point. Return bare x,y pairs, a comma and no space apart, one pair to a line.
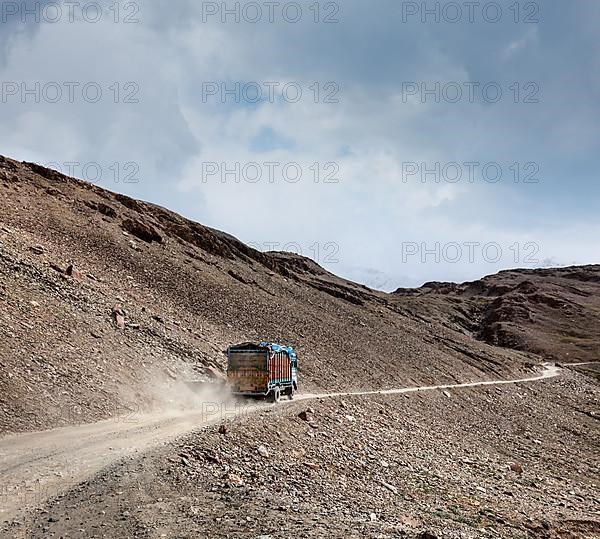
37,466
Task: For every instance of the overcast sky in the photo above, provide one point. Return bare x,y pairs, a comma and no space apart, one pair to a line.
394,142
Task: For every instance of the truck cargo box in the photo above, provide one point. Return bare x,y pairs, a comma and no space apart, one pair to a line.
262,369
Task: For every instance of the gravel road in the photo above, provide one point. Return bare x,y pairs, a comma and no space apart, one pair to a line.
37,466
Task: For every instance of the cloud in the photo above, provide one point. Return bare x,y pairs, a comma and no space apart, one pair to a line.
529,37
375,114
515,46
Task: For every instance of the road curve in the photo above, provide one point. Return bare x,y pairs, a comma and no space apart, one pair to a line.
549,371
37,466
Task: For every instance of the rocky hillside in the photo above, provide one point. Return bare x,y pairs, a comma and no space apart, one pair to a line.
554,313
105,301
110,305
517,461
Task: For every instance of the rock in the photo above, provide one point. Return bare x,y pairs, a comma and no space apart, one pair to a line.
409,521
446,393
34,304
107,210
57,268
263,451
118,316
427,535
517,468
305,415
120,321
72,272
373,517
54,192
141,230
223,429
391,488
234,480
211,457
38,249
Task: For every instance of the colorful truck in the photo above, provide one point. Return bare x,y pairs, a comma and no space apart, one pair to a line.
262,369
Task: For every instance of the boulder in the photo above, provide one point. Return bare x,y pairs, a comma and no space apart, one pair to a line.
72,272
118,315
141,230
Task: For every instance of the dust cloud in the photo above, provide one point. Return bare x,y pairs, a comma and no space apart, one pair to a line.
209,401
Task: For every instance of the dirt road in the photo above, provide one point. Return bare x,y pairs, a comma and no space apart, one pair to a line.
37,466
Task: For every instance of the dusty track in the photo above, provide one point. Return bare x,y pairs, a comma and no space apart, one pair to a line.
37,466
550,371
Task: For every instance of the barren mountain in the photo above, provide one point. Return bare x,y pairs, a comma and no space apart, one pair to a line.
111,297
554,313
111,306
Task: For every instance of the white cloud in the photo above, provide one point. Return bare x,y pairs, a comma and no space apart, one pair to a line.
529,37
371,213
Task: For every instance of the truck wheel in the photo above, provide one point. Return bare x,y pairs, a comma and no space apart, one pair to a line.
275,395
291,393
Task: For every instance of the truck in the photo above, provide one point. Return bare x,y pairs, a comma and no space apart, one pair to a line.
262,369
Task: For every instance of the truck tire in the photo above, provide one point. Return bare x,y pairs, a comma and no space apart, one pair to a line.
290,393
275,395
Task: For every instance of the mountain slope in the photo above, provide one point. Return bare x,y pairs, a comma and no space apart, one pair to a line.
108,304
554,313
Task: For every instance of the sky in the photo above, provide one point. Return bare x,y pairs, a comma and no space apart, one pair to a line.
393,142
